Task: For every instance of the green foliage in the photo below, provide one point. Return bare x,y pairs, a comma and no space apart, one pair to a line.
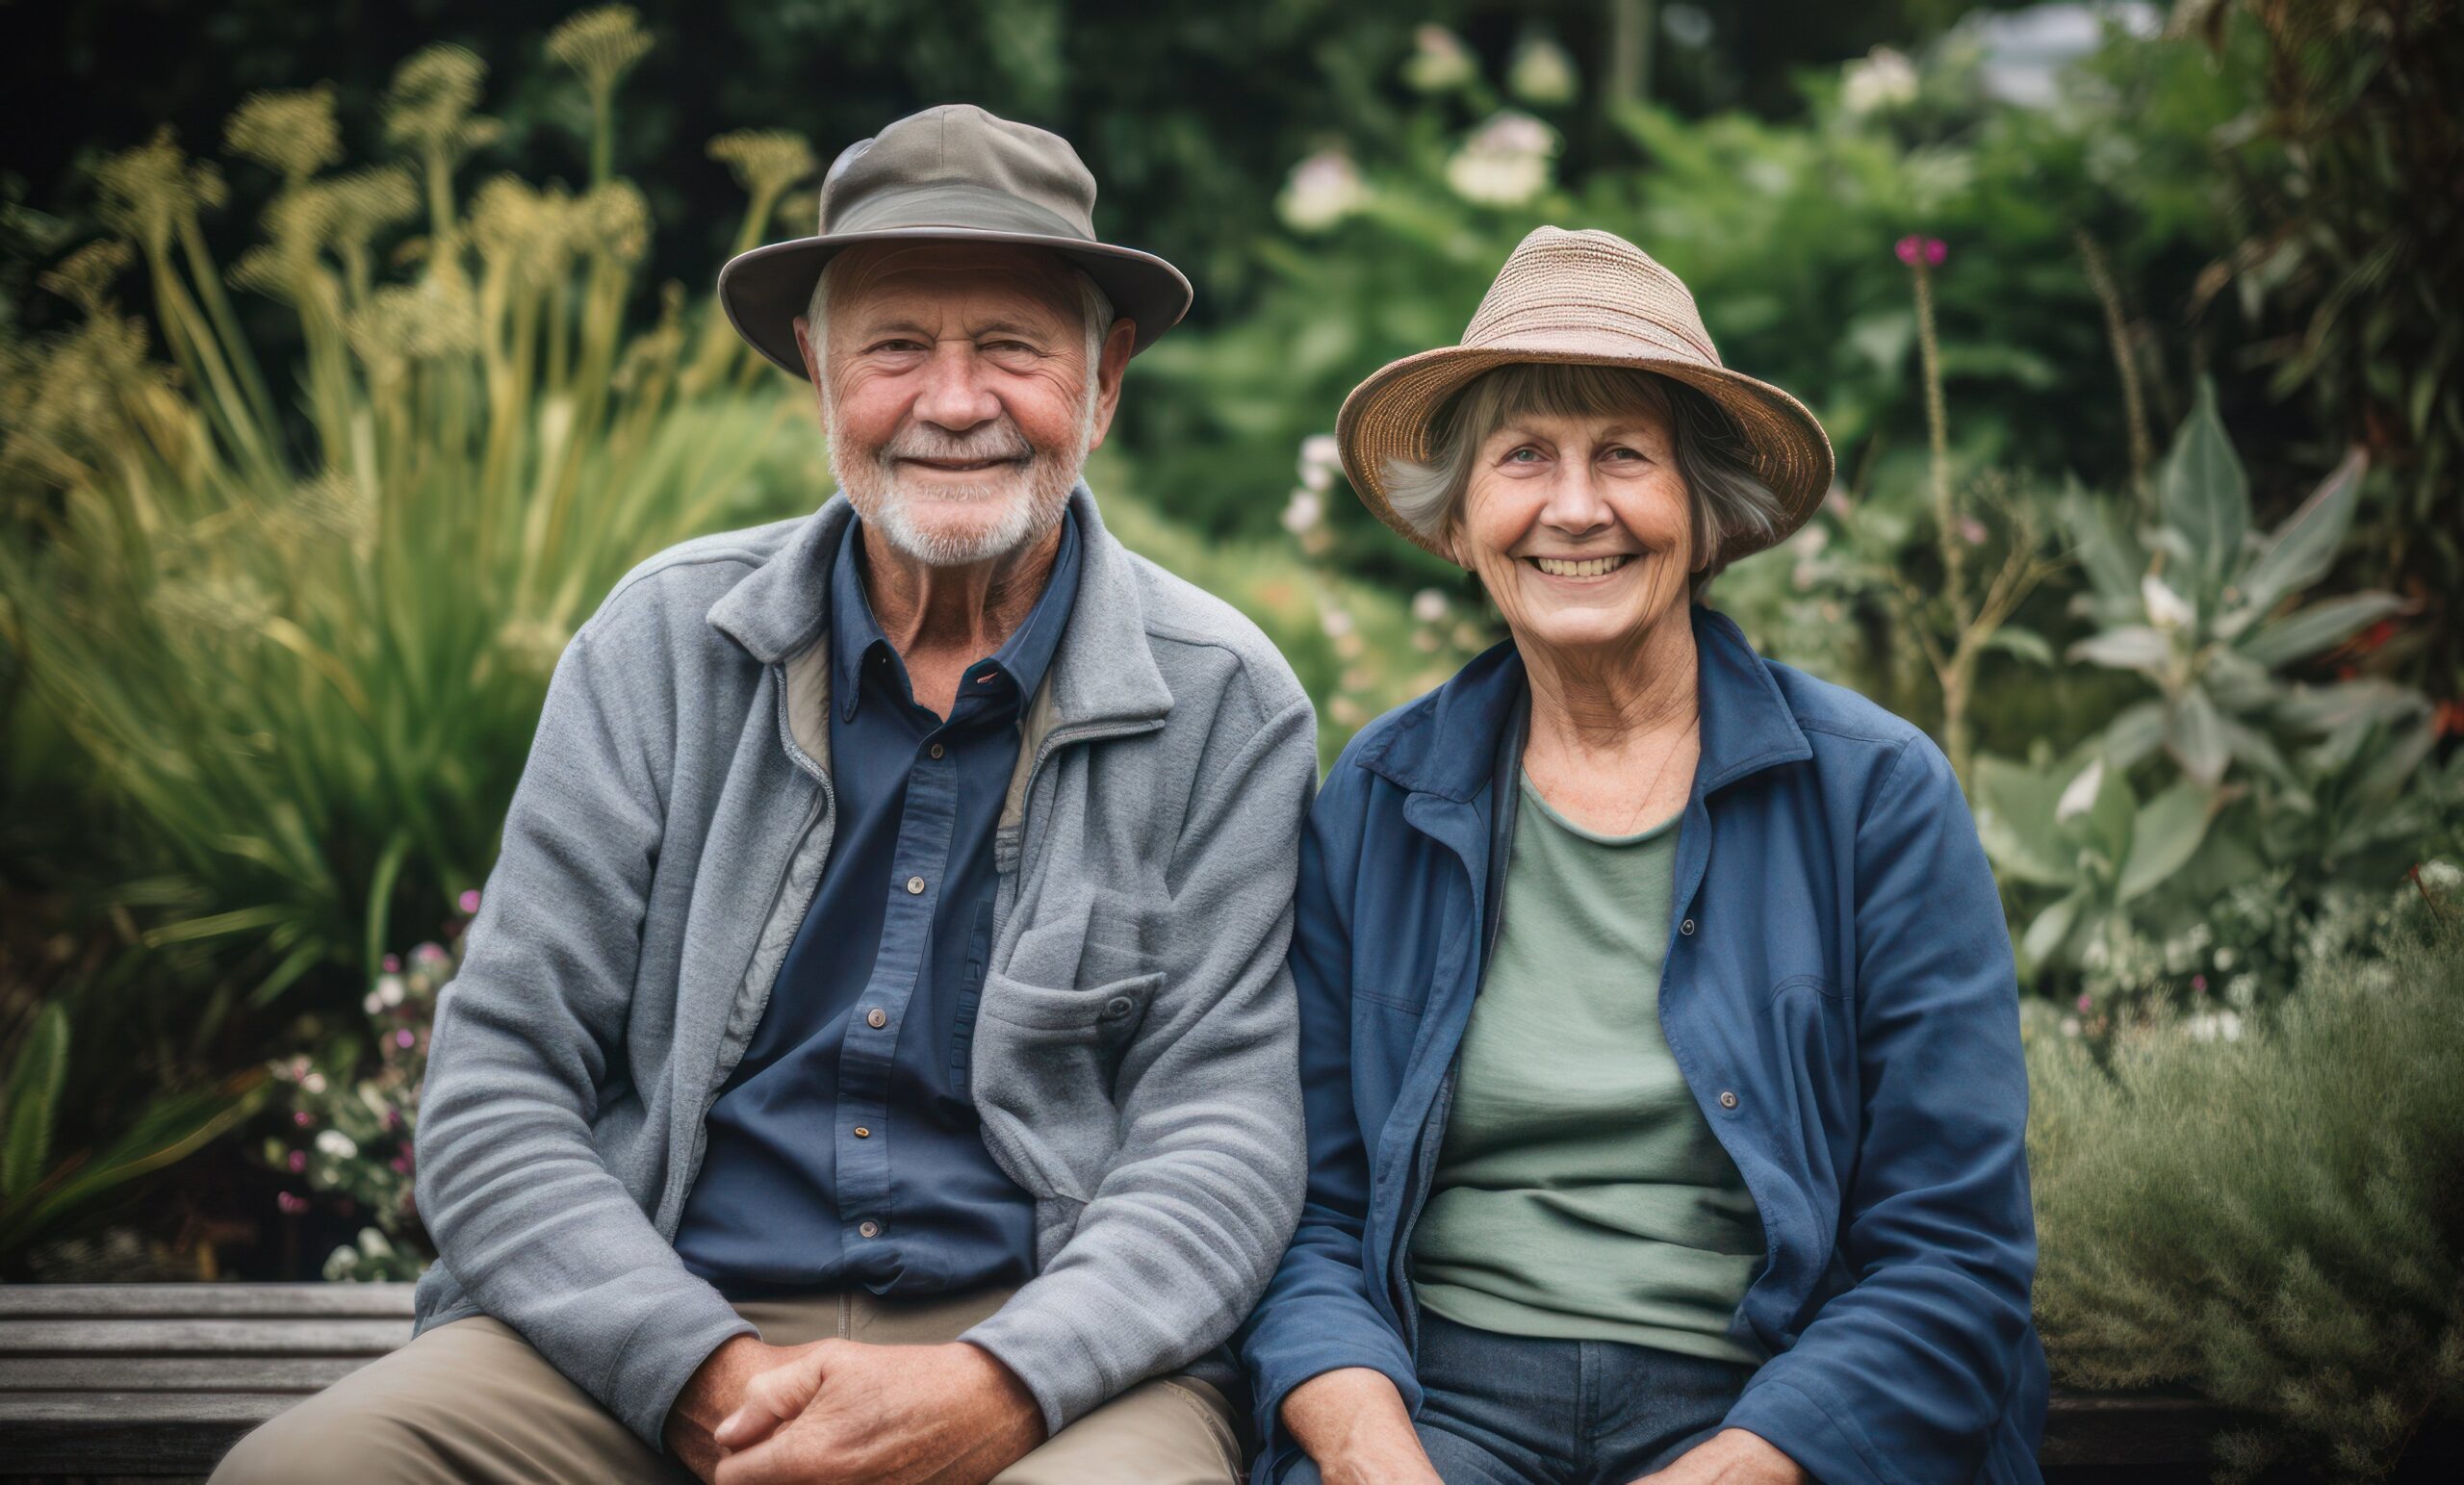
2199,610
290,649
2265,1210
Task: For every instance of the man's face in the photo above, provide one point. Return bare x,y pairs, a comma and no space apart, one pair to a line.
956,387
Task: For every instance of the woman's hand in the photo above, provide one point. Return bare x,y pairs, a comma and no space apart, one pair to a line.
1353,1424
1733,1456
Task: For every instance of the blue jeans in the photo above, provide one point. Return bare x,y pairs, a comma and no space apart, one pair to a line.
1516,1410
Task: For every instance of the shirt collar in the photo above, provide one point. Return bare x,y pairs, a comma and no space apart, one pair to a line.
856,635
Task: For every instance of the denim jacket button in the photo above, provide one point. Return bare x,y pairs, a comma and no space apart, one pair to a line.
1728,1100
1685,927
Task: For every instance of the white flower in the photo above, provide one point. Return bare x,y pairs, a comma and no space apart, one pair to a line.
314,1083
1439,60
2070,1026
389,989
2167,609
2216,1025
1504,163
1542,73
1687,25
372,1003
2442,875
2224,959
336,1143
1320,457
1321,190
2080,796
1303,513
1336,622
1428,606
1883,78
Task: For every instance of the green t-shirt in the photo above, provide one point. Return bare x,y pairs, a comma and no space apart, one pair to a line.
1579,1194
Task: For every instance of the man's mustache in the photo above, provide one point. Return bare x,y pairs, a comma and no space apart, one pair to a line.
1002,441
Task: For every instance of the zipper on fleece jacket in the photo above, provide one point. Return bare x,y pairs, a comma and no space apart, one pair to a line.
817,815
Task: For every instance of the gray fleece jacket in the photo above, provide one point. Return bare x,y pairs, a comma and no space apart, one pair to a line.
1134,1049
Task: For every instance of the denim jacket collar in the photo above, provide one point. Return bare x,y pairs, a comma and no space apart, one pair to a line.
1447,745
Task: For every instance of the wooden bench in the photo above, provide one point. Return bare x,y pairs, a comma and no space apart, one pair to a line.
155,1382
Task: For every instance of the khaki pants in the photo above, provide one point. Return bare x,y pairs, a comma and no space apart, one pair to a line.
471,1401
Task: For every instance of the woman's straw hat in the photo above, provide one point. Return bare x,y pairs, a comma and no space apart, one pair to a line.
1586,299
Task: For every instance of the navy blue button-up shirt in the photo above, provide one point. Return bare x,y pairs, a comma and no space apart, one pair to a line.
844,1148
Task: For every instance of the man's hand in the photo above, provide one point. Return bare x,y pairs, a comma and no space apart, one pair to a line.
1352,1422
841,1410
1733,1456
715,1390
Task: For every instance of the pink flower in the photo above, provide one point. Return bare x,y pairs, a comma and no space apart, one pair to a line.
301,1119
298,1161
1932,248
401,1164
290,1205
2086,1004
2198,982
469,900
403,1038
393,964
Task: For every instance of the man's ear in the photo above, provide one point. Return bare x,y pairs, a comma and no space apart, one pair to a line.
811,356
1110,365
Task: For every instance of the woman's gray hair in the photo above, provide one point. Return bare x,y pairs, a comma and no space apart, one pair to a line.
1728,499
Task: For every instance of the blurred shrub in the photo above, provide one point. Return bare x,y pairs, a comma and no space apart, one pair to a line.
2263,1209
291,647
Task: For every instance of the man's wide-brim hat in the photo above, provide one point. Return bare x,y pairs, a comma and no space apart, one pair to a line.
1583,298
949,174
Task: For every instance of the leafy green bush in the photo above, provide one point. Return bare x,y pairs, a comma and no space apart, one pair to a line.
2264,1209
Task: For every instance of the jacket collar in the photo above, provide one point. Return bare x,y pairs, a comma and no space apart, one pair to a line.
1446,744
1103,672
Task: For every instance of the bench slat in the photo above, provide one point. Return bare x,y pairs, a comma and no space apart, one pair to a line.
202,1337
167,1301
89,1434
175,1373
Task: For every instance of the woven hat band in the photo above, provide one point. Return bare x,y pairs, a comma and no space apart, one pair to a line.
955,205
1542,331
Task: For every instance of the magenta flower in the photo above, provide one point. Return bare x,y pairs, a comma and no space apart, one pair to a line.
393,964
298,1162
2198,982
291,1206
2086,1004
1931,248
401,1164
469,900
403,1038
301,1119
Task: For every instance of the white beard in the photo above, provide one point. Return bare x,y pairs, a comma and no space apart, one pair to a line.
1031,494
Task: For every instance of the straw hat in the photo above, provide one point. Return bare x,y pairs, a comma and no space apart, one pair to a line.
950,174
1586,299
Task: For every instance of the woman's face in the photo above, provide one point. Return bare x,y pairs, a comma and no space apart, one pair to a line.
1579,527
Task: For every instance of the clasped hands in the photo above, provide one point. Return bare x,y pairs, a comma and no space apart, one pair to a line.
844,1410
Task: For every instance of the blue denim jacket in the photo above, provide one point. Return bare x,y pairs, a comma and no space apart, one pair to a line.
1839,992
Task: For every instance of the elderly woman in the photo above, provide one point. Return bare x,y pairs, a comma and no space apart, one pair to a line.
1658,1025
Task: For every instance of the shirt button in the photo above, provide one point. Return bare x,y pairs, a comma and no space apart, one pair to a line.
862,1133
916,888
1728,1100
935,750
1685,927
876,1018
869,1229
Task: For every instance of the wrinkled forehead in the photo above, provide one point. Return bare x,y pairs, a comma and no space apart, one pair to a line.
881,280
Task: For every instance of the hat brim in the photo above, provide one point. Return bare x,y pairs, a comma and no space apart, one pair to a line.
1390,416
765,290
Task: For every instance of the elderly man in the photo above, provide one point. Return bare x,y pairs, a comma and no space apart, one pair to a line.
875,1059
